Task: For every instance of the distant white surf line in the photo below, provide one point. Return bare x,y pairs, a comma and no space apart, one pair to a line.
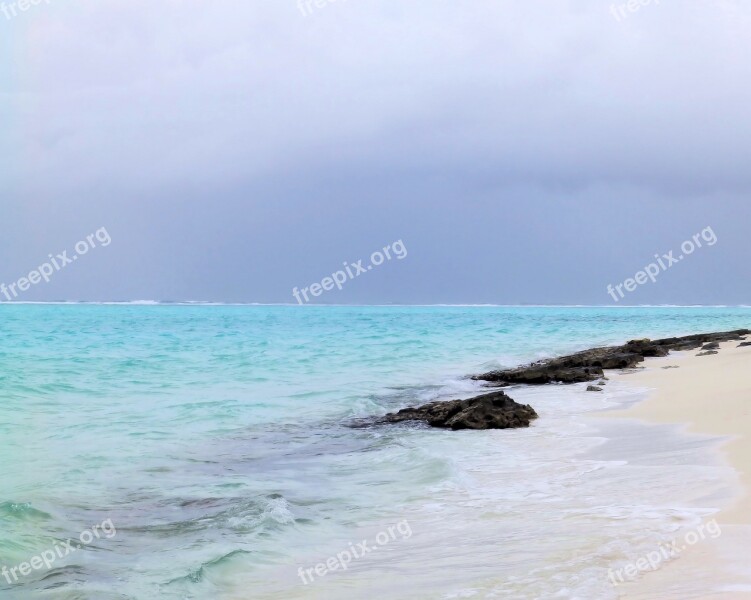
327,305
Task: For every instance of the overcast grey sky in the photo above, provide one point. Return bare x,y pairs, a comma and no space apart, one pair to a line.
525,152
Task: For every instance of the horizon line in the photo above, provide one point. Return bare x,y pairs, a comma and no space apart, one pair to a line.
395,305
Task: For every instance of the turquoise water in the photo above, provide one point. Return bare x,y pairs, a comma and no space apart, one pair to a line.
215,439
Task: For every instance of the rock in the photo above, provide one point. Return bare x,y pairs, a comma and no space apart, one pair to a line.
546,374
647,348
496,410
489,411
743,344
603,382
685,347
588,365
711,346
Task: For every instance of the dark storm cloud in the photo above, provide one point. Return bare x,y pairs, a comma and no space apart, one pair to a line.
525,152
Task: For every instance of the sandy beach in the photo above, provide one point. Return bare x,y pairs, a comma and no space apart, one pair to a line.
711,395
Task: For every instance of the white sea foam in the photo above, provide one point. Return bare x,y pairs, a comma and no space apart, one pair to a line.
544,512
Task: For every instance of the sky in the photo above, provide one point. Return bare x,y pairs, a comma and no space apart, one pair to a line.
522,152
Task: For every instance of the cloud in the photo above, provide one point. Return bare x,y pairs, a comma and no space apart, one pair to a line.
154,93
139,114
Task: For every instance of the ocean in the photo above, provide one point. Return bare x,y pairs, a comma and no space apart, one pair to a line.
216,441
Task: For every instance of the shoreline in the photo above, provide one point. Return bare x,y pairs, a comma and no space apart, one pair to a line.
714,395
699,384
496,410
707,395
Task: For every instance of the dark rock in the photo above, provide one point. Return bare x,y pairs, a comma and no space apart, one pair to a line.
646,348
496,410
603,382
489,411
742,344
685,347
711,346
589,364
546,374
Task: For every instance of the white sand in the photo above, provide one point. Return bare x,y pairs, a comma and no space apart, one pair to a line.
711,395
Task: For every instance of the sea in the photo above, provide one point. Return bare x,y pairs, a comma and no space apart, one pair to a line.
207,451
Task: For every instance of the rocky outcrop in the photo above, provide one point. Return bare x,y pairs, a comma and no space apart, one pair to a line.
589,364
489,411
496,410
